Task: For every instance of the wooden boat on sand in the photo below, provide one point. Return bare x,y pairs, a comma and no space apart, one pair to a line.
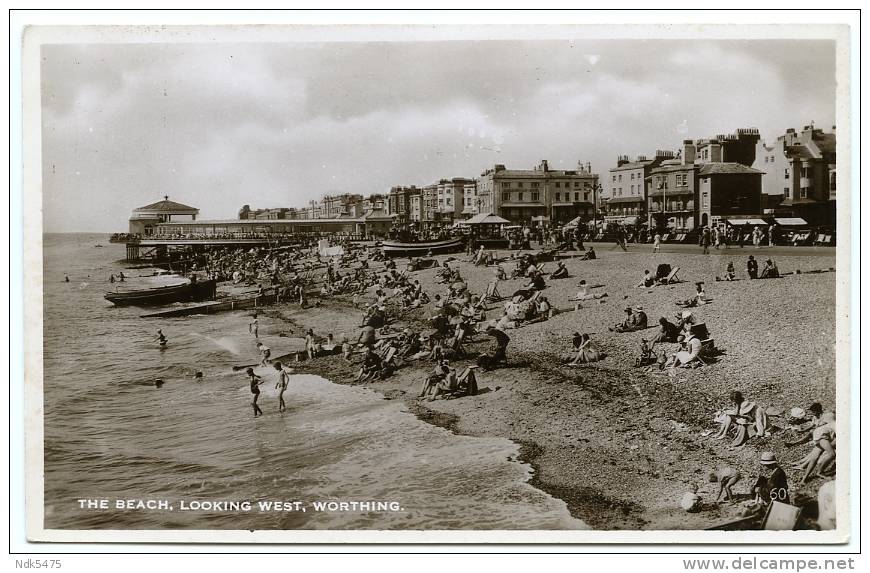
186,292
421,249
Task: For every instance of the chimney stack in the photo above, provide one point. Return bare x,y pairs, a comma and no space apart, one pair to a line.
688,152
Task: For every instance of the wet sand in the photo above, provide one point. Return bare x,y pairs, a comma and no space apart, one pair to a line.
618,444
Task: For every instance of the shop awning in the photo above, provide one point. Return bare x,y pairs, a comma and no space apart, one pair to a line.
746,222
541,218
629,221
790,221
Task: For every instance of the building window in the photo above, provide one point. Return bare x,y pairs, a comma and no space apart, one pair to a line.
804,192
704,200
833,181
620,176
505,185
558,185
614,178
576,184
786,192
520,196
772,158
505,196
535,185
576,196
786,173
558,197
536,196
766,158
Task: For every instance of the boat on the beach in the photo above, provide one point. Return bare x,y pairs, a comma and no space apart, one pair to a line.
186,292
420,249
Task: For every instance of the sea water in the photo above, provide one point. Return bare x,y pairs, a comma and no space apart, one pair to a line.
194,446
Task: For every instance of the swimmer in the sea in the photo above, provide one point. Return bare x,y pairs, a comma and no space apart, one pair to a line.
281,385
255,390
66,278
161,339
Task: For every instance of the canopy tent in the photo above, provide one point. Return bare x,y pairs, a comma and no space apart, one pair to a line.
486,219
739,222
790,221
575,222
630,221
540,218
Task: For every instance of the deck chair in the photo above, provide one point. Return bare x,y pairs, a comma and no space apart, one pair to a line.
672,277
781,517
665,237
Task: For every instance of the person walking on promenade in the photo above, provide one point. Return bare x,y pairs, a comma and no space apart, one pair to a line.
705,240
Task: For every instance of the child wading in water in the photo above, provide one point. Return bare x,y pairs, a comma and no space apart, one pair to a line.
283,377
255,390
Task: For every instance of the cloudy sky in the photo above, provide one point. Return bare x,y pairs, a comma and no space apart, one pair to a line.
221,125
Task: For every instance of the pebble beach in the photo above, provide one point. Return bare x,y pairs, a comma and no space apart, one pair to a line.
620,444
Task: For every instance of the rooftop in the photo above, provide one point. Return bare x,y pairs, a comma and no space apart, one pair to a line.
167,206
727,169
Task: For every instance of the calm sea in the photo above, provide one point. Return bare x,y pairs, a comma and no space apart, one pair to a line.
111,434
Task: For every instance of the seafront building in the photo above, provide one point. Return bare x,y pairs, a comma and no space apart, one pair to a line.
712,181
800,174
541,194
145,220
626,199
731,177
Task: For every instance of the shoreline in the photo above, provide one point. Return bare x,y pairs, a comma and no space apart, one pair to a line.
619,446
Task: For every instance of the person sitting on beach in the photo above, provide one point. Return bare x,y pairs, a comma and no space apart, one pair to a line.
823,452
537,282
730,274
687,355
329,345
668,332
586,352
589,255
584,294
438,374
770,270
500,273
647,281
699,299
499,352
686,321
561,271
726,477
771,484
746,417
346,349
371,364
752,267
814,412
635,319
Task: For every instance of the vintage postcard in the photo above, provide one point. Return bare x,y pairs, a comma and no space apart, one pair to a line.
451,284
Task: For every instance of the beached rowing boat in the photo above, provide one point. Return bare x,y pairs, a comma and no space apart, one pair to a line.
185,292
400,249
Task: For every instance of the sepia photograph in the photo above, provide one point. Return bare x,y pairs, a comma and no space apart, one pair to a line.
437,284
